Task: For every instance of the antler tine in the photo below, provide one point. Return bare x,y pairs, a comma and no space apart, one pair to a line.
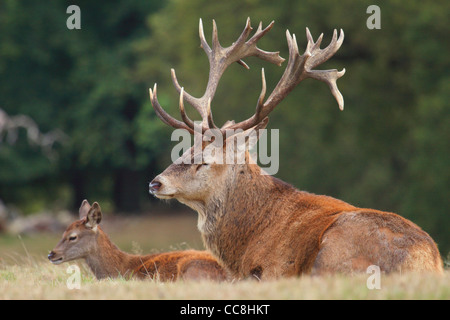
215,38
245,33
211,123
184,116
262,95
330,77
315,45
190,99
295,47
203,42
188,121
260,32
164,116
156,105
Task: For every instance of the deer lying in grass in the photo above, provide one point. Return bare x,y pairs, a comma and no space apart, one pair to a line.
84,239
258,225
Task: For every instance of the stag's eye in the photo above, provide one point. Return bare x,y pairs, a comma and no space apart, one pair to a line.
202,165
73,237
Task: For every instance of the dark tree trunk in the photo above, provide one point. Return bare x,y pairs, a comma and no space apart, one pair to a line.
78,185
128,188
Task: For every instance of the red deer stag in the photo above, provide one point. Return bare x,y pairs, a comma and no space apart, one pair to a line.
84,239
258,225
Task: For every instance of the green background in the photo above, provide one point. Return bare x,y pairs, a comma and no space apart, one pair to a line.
388,150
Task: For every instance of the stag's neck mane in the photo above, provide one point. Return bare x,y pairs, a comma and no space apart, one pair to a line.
245,206
242,190
252,207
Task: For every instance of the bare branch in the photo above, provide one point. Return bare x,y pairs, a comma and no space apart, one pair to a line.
9,126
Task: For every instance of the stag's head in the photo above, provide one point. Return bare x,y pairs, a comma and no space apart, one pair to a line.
220,155
80,238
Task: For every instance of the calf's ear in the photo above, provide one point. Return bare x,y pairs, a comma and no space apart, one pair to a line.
94,216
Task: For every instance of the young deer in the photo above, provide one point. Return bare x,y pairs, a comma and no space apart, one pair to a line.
256,224
84,239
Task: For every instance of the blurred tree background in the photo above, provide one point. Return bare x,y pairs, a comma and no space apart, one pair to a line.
388,150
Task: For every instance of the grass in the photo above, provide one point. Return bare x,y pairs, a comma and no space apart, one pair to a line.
25,272
41,280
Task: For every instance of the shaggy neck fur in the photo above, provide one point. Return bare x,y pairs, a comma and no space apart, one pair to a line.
265,227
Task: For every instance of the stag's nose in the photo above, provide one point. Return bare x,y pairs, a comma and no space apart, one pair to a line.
154,186
51,255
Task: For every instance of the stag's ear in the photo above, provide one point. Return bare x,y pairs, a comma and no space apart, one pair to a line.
249,136
243,141
84,209
94,216
260,126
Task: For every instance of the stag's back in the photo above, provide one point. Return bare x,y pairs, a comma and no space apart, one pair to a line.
281,231
365,237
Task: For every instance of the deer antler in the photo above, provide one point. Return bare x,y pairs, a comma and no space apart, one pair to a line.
219,59
299,67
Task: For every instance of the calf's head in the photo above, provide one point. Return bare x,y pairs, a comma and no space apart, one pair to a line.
80,238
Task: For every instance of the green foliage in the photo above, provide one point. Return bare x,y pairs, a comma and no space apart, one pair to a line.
389,149
81,82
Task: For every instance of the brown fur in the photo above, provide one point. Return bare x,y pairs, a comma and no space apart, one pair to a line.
107,260
257,225
369,237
